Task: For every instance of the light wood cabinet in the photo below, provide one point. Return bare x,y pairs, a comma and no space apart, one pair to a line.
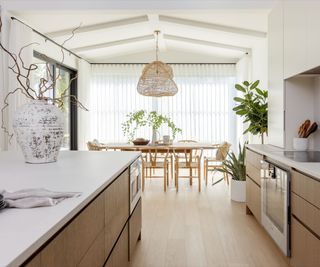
253,198
70,245
117,209
135,224
95,256
253,189
306,187
305,247
119,256
307,213
253,173
305,226
98,233
35,262
253,158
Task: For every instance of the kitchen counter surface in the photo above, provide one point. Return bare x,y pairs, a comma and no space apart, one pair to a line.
275,153
23,231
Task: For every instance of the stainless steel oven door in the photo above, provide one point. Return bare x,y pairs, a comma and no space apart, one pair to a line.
135,183
275,204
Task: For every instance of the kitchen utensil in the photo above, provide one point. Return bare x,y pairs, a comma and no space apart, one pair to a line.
311,130
304,127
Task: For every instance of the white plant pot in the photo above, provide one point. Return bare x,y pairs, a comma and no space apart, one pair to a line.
301,144
238,190
39,129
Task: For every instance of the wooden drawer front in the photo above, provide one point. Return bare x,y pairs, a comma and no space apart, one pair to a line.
253,173
35,262
119,256
306,213
305,247
253,193
95,256
306,187
68,248
135,224
117,209
253,158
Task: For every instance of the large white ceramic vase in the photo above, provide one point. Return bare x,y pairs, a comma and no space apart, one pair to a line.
39,129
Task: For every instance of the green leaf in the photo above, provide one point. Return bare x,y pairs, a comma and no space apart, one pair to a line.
255,84
246,83
240,88
238,99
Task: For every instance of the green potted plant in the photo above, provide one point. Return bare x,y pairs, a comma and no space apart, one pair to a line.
253,106
141,118
156,120
235,167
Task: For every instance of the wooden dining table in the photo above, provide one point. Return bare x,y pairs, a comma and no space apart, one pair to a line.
175,147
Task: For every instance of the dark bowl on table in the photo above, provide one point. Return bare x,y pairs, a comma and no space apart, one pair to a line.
140,142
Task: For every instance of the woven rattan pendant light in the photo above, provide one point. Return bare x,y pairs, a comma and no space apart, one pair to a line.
157,78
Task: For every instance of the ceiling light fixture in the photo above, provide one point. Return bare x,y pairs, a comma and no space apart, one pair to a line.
157,77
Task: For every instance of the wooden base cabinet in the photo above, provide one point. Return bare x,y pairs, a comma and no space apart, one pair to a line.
120,253
135,224
98,235
305,247
253,198
253,189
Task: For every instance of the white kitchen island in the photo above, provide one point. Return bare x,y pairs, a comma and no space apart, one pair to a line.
23,232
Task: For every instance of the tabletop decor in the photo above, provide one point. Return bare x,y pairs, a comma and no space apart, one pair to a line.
253,106
38,124
157,78
141,118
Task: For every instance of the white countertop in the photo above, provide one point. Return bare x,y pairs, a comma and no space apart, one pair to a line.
275,153
23,231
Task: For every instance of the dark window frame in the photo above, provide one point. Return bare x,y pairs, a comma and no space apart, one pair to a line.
73,91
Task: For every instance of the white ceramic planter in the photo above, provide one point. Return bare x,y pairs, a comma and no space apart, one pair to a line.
39,129
301,144
238,190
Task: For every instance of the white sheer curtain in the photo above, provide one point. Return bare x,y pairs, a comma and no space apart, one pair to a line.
201,108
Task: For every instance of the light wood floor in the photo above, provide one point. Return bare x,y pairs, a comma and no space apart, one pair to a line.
200,229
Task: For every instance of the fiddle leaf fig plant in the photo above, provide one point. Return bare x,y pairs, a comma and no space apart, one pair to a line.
141,118
253,106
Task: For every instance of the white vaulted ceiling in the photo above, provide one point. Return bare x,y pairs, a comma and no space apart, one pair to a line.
127,36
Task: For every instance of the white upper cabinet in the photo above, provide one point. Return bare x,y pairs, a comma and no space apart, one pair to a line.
295,37
275,81
301,36
313,35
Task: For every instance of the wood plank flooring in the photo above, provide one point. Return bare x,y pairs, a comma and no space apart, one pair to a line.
204,229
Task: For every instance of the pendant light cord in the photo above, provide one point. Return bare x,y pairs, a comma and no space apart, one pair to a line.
157,44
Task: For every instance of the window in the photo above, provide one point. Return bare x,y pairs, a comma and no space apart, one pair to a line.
202,107
64,76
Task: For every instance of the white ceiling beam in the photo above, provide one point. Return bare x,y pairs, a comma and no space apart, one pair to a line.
206,43
211,26
100,26
155,25
114,43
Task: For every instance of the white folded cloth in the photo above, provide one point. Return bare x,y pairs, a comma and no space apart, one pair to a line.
35,197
